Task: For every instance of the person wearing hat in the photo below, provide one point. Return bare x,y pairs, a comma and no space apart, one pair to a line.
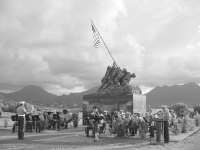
52,122
94,119
62,119
166,117
68,118
41,122
21,111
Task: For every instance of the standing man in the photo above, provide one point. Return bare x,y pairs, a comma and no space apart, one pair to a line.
67,119
21,111
166,117
1,112
149,109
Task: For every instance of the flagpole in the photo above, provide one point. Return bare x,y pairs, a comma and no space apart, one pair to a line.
104,43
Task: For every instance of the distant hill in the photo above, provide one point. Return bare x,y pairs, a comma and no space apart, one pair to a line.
74,97
37,95
188,93
1,97
166,95
32,94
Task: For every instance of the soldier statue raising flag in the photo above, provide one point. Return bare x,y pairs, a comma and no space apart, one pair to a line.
115,81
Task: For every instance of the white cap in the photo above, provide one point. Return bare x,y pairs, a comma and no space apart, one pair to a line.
23,102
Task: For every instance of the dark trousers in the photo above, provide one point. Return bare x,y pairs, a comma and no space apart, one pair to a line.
39,126
14,126
53,124
166,132
20,127
66,123
151,130
87,130
29,126
132,129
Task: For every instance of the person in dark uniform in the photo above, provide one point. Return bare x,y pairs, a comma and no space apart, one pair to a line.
21,112
166,117
94,117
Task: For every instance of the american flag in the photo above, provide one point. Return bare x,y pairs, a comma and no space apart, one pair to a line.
96,37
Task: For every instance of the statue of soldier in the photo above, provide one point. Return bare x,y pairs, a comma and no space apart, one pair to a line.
107,75
119,76
111,79
126,79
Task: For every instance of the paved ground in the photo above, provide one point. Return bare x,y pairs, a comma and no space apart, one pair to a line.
74,138
68,139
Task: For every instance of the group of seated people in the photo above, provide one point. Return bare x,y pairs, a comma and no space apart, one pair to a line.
127,124
48,120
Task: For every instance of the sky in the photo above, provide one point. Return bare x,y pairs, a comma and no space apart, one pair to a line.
50,43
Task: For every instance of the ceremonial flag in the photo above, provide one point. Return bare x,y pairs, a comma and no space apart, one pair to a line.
96,37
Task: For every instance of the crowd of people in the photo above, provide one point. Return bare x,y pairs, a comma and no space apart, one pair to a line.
127,124
42,120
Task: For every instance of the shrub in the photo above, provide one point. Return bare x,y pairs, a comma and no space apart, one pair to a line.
180,109
176,128
185,125
180,120
197,119
197,109
191,125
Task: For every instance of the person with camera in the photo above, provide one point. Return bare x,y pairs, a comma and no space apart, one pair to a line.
21,112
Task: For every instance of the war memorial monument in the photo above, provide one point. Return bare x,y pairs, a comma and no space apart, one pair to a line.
115,93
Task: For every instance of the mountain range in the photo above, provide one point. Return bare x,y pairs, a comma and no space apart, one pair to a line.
188,93
37,95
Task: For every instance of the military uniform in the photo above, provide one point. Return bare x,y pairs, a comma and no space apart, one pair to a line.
21,111
67,119
166,118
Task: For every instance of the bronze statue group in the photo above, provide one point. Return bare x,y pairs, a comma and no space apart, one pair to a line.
41,121
125,124
116,81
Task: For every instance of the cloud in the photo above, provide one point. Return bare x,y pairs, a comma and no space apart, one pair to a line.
49,43
190,46
192,65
